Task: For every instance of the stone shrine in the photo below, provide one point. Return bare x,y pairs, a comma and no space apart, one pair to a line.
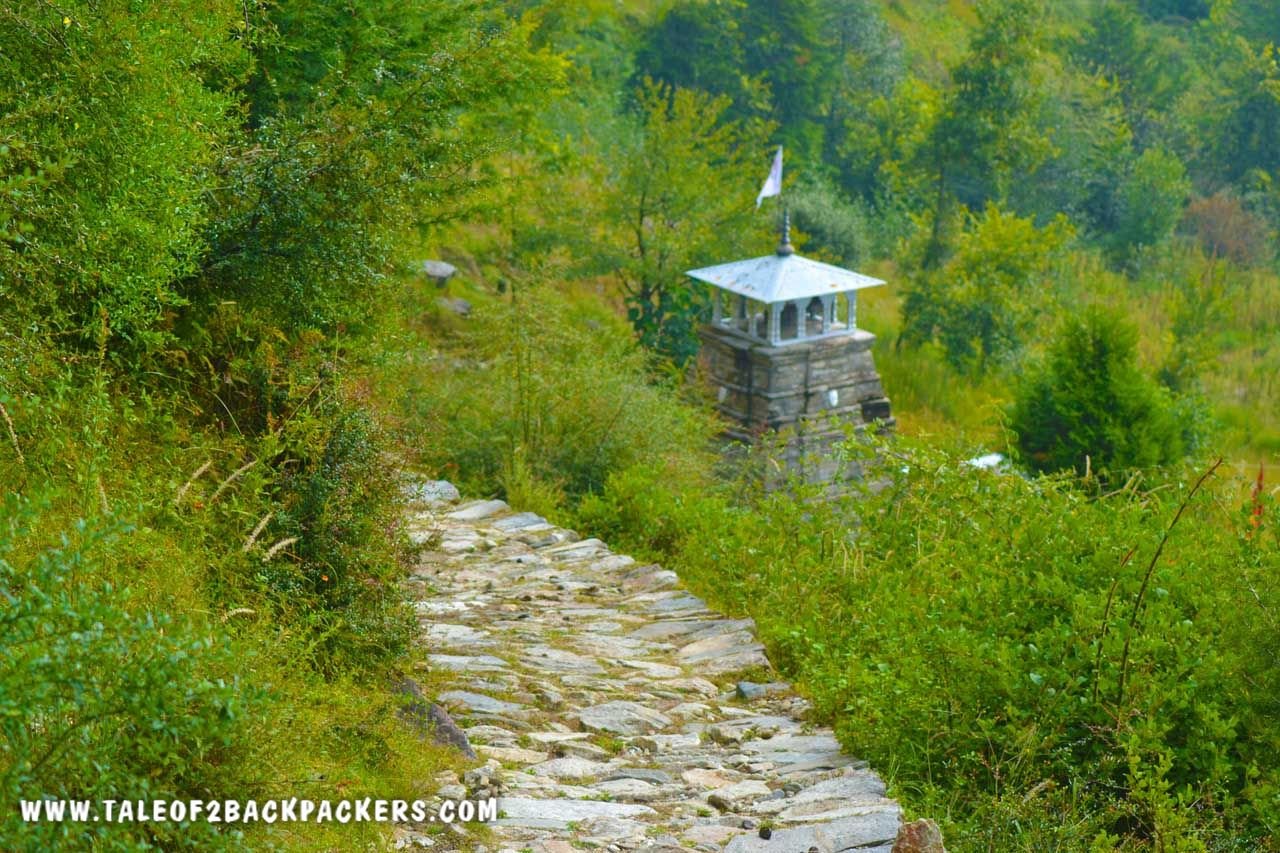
784,355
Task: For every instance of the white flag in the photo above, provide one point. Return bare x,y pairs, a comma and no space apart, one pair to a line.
773,183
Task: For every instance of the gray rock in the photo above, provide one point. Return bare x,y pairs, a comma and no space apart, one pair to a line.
647,578
478,703
570,768
644,774
699,686
629,790
548,739
622,718
521,521
559,660
446,635
477,510
490,734
732,798
679,603
550,698
548,539
689,630
611,563
583,549
468,663
744,728
457,305
651,669
559,813
721,645
873,829
750,690
612,830
581,749
668,743
842,796
433,492
438,271
428,717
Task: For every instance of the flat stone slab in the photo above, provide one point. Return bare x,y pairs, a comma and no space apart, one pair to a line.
651,669
560,660
468,663
699,686
644,774
718,646
682,631
668,743
552,738
476,510
745,728
521,521
570,768
511,755
478,702
433,492
680,603
876,828
828,799
712,833
623,718
629,790
446,635
734,797
558,814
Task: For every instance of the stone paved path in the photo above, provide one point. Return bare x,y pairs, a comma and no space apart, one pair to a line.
602,699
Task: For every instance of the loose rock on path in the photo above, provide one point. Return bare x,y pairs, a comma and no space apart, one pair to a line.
602,699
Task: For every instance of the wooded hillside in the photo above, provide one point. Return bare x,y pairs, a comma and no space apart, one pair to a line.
220,354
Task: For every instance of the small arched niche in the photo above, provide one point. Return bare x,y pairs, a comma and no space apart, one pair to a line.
788,325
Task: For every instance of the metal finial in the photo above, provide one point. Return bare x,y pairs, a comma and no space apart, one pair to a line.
784,246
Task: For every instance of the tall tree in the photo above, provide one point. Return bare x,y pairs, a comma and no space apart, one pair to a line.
1090,406
987,131
681,197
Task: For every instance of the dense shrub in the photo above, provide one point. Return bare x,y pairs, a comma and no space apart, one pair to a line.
1036,667
835,225
342,505
1225,228
549,398
982,304
101,697
109,135
1090,405
1149,202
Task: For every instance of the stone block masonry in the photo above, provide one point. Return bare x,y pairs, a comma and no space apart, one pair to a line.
604,701
811,393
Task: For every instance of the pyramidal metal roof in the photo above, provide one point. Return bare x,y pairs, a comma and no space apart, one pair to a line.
782,277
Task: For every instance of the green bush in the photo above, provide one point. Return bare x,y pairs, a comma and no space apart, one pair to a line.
343,506
983,304
108,152
834,224
1030,665
539,390
101,697
1090,406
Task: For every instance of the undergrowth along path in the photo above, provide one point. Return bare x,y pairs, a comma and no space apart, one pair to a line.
607,703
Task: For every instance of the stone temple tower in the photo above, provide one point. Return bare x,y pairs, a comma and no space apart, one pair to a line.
784,354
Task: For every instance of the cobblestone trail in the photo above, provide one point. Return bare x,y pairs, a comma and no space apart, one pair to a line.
602,698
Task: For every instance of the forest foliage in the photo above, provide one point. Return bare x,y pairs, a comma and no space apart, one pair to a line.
202,539
213,353
1076,218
